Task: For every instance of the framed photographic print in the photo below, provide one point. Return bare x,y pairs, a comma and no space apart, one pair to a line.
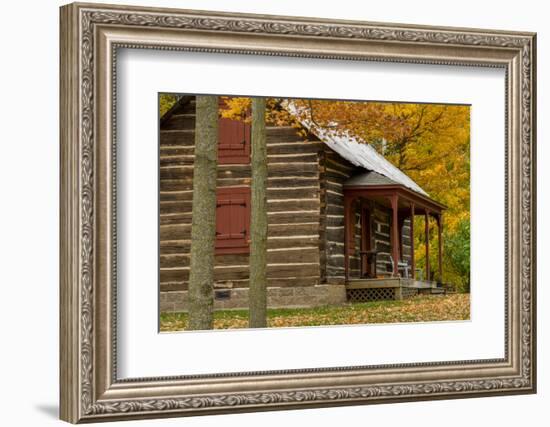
267,212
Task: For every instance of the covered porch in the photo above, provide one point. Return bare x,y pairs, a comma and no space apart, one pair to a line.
400,277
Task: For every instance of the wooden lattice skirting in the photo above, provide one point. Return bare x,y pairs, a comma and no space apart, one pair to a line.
379,294
371,294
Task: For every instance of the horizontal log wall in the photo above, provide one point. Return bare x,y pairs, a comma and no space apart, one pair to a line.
336,171
322,217
293,207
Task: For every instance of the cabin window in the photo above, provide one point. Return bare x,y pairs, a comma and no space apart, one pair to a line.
233,220
233,140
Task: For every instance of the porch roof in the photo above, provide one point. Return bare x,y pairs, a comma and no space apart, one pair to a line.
372,184
369,179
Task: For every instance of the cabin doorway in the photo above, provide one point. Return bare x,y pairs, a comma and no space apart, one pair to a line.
368,252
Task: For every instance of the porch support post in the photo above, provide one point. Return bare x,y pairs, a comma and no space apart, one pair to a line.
348,223
411,230
440,246
365,236
427,241
395,234
400,234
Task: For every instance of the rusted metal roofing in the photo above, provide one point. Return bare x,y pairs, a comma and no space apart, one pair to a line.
357,153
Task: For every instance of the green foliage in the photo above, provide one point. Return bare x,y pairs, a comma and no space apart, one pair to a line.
457,252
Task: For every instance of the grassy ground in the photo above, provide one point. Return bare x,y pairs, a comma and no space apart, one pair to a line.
418,309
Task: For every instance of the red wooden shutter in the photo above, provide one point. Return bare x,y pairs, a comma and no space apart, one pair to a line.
233,140
233,220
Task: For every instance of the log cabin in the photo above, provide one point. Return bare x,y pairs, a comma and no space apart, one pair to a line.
339,217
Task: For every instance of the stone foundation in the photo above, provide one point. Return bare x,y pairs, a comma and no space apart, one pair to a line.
304,296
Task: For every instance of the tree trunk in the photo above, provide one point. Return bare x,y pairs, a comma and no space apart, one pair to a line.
203,228
258,219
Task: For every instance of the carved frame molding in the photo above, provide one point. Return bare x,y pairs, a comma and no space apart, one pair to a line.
90,36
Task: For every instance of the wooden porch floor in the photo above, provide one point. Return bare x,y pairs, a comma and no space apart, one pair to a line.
390,288
390,282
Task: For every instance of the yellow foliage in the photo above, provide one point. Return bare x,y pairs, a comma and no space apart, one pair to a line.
429,142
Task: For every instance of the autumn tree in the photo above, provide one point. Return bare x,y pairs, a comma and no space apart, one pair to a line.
429,142
203,227
258,218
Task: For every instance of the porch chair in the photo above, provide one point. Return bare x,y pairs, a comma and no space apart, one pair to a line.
401,265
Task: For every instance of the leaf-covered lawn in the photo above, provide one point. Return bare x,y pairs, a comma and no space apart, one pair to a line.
418,309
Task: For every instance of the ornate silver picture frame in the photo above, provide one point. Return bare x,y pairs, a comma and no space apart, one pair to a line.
90,387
